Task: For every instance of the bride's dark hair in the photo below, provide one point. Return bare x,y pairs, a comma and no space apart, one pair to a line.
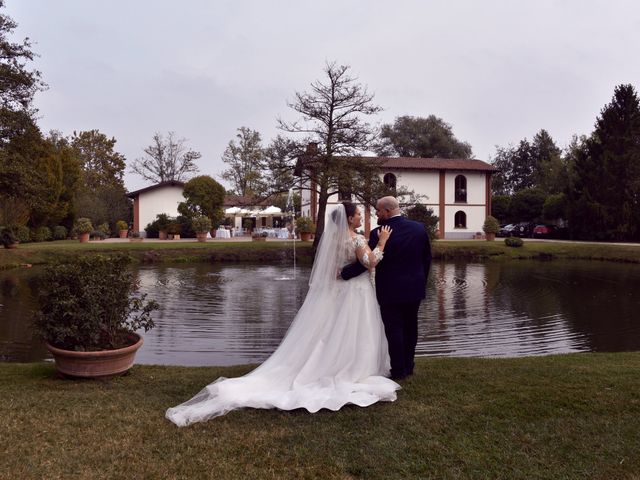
349,209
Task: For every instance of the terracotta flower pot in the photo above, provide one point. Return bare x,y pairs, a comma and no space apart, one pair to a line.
11,246
259,239
490,237
122,233
105,363
202,237
305,237
162,235
83,237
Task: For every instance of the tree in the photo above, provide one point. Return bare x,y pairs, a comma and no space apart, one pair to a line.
101,196
101,164
429,137
538,164
204,196
18,85
424,215
500,207
604,202
245,160
167,160
332,119
526,205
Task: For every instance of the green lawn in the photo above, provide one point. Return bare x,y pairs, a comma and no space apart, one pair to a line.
567,416
151,251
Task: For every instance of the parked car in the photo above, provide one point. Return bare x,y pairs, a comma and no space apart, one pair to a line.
543,231
506,230
523,229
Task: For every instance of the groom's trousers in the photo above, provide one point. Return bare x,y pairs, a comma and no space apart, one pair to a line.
401,328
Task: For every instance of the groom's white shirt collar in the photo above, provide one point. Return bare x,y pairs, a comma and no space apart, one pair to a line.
398,215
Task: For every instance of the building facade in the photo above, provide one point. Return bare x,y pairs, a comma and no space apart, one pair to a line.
458,192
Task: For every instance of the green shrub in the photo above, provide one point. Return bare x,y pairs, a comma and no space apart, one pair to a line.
83,225
305,225
201,224
60,233
22,233
122,225
41,234
91,303
513,242
104,229
491,225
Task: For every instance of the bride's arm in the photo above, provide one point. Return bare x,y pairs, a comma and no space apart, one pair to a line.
370,258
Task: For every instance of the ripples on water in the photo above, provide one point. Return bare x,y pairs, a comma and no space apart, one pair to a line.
234,314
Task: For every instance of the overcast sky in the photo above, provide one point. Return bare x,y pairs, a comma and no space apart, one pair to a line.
497,71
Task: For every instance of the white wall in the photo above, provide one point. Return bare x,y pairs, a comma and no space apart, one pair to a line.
427,184
160,200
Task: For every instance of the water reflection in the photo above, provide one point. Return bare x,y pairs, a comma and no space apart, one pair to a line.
232,314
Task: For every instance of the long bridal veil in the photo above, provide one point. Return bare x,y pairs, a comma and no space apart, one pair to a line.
334,352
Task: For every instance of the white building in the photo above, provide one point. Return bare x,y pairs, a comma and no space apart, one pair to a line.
151,201
458,191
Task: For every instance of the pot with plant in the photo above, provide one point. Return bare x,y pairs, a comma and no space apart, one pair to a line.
259,237
8,238
83,229
202,225
305,227
123,228
162,222
90,314
135,237
173,230
491,227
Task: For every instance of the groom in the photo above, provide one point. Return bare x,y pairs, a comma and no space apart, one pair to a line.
401,280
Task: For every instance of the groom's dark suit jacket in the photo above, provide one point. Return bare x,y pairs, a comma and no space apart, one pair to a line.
401,277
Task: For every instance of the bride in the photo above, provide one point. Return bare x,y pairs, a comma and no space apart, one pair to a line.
335,351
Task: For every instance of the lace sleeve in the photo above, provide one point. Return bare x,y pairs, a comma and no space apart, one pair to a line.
367,257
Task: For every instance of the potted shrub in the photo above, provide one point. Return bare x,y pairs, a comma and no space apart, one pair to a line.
491,227
135,237
201,225
247,224
123,228
83,228
259,237
162,223
90,312
8,238
174,229
305,227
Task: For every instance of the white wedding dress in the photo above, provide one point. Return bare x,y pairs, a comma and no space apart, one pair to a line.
334,353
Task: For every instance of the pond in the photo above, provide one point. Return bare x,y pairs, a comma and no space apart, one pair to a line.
229,314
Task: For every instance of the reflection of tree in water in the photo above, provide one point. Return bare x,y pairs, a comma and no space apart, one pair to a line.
17,305
593,300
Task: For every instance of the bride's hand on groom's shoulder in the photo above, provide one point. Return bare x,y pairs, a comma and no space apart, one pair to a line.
384,233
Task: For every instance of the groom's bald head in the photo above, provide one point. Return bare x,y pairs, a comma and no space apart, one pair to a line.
387,207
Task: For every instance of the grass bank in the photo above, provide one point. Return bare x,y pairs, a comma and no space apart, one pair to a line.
567,416
278,251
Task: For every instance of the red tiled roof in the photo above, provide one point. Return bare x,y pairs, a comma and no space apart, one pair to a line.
410,163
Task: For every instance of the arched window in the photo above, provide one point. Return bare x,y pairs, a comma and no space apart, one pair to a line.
461,188
390,181
460,219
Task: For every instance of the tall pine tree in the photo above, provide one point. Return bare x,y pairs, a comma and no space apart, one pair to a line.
605,198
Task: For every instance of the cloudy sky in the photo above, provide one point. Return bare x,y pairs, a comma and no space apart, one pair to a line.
496,70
